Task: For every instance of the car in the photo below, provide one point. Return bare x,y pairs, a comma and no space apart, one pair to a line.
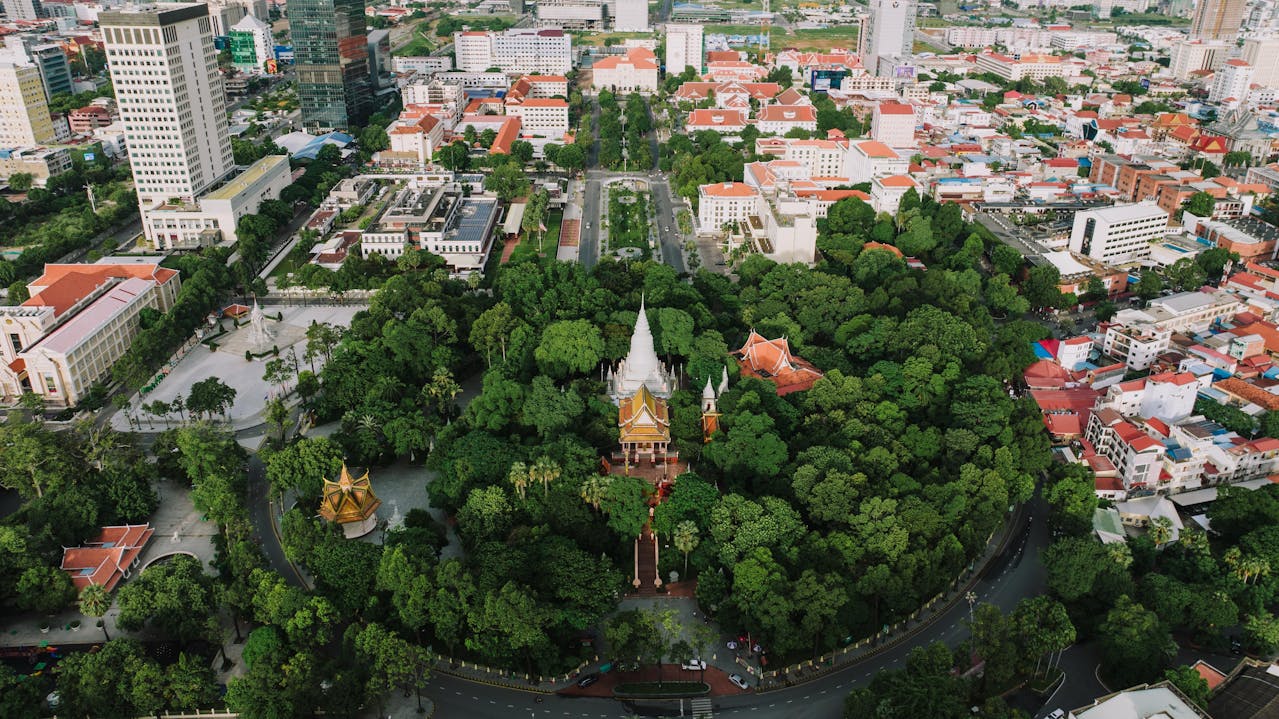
588,225
1057,714
693,665
588,680
1236,647
737,679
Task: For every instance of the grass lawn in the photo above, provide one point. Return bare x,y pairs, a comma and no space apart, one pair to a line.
419,45
627,220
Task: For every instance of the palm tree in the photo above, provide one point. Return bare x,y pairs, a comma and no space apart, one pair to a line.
1161,530
519,477
545,470
686,539
94,602
593,490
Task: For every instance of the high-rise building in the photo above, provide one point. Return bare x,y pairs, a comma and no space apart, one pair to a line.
1190,56
169,91
683,48
24,110
23,10
49,59
1231,82
1217,20
890,33
251,44
632,16
1119,234
1263,54
331,58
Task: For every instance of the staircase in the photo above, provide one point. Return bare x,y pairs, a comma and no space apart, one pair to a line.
646,563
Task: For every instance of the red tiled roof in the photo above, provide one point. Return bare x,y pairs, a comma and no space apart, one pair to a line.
104,560
62,286
772,360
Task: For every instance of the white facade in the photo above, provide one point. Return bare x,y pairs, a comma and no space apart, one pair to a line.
869,159
263,42
1136,455
165,72
886,193
893,124
684,48
422,63
1231,82
1026,67
571,14
724,202
1263,55
24,110
1189,56
1118,235
212,220
541,117
1168,396
631,15
636,71
890,32
547,52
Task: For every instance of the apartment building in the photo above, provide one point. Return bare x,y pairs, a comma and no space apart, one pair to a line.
886,192
1190,56
1137,336
1232,82
79,320
1168,396
890,34
1120,234
24,109
165,72
1262,53
1136,455
519,50
684,48
893,123
414,138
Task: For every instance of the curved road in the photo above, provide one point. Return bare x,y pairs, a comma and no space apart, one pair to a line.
1013,575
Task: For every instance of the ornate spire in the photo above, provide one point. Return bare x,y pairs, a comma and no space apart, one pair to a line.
641,366
708,392
723,383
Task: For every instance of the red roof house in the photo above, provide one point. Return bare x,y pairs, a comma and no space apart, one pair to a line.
107,558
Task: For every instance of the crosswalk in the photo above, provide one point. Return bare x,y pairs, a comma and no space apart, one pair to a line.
702,709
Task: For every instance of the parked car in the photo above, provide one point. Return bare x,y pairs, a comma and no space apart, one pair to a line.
588,680
693,665
737,679
1057,714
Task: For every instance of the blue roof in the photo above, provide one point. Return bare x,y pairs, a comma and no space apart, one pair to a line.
312,148
1040,352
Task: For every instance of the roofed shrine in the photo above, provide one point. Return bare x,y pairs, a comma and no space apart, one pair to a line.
772,360
351,503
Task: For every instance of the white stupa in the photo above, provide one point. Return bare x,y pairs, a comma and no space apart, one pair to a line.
641,367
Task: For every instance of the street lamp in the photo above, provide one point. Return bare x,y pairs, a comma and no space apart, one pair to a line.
972,599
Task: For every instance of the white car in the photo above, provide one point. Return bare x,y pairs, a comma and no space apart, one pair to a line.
1057,714
737,679
693,665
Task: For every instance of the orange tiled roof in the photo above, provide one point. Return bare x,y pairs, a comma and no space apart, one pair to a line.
772,360
61,286
104,560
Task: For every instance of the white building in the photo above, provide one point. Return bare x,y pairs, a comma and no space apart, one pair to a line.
1027,66
212,219
1231,82
886,192
1190,56
684,48
22,9
414,138
1138,336
636,71
780,119
869,159
889,34
77,323
780,226
1160,700
422,63
547,51
24,110
1169,396
257,34
571,14
541,116
724,202
1120,234
165,72
630,15
1262,53
1136,455
893,123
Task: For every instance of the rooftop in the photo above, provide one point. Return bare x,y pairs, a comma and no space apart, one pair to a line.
246,179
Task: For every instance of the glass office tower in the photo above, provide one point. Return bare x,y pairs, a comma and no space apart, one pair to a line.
331,58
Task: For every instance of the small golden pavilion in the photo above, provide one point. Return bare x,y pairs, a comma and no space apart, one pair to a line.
351,503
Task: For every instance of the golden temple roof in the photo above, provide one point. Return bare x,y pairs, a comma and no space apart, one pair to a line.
348,499
643,417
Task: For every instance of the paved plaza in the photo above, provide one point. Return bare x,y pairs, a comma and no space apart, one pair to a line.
227,363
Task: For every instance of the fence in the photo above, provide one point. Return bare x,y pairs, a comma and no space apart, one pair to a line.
505,678
835,660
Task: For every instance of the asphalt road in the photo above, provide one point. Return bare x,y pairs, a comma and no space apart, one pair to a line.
1013,575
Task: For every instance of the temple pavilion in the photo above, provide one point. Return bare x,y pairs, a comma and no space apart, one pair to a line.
351,503
644,426
772,360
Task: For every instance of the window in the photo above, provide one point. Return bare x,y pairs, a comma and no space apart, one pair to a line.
50,386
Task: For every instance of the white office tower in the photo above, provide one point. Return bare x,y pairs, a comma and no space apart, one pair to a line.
1232,82
1120,234
169,92
632,16
683,48
24,111
23,10
1263,54
890,33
